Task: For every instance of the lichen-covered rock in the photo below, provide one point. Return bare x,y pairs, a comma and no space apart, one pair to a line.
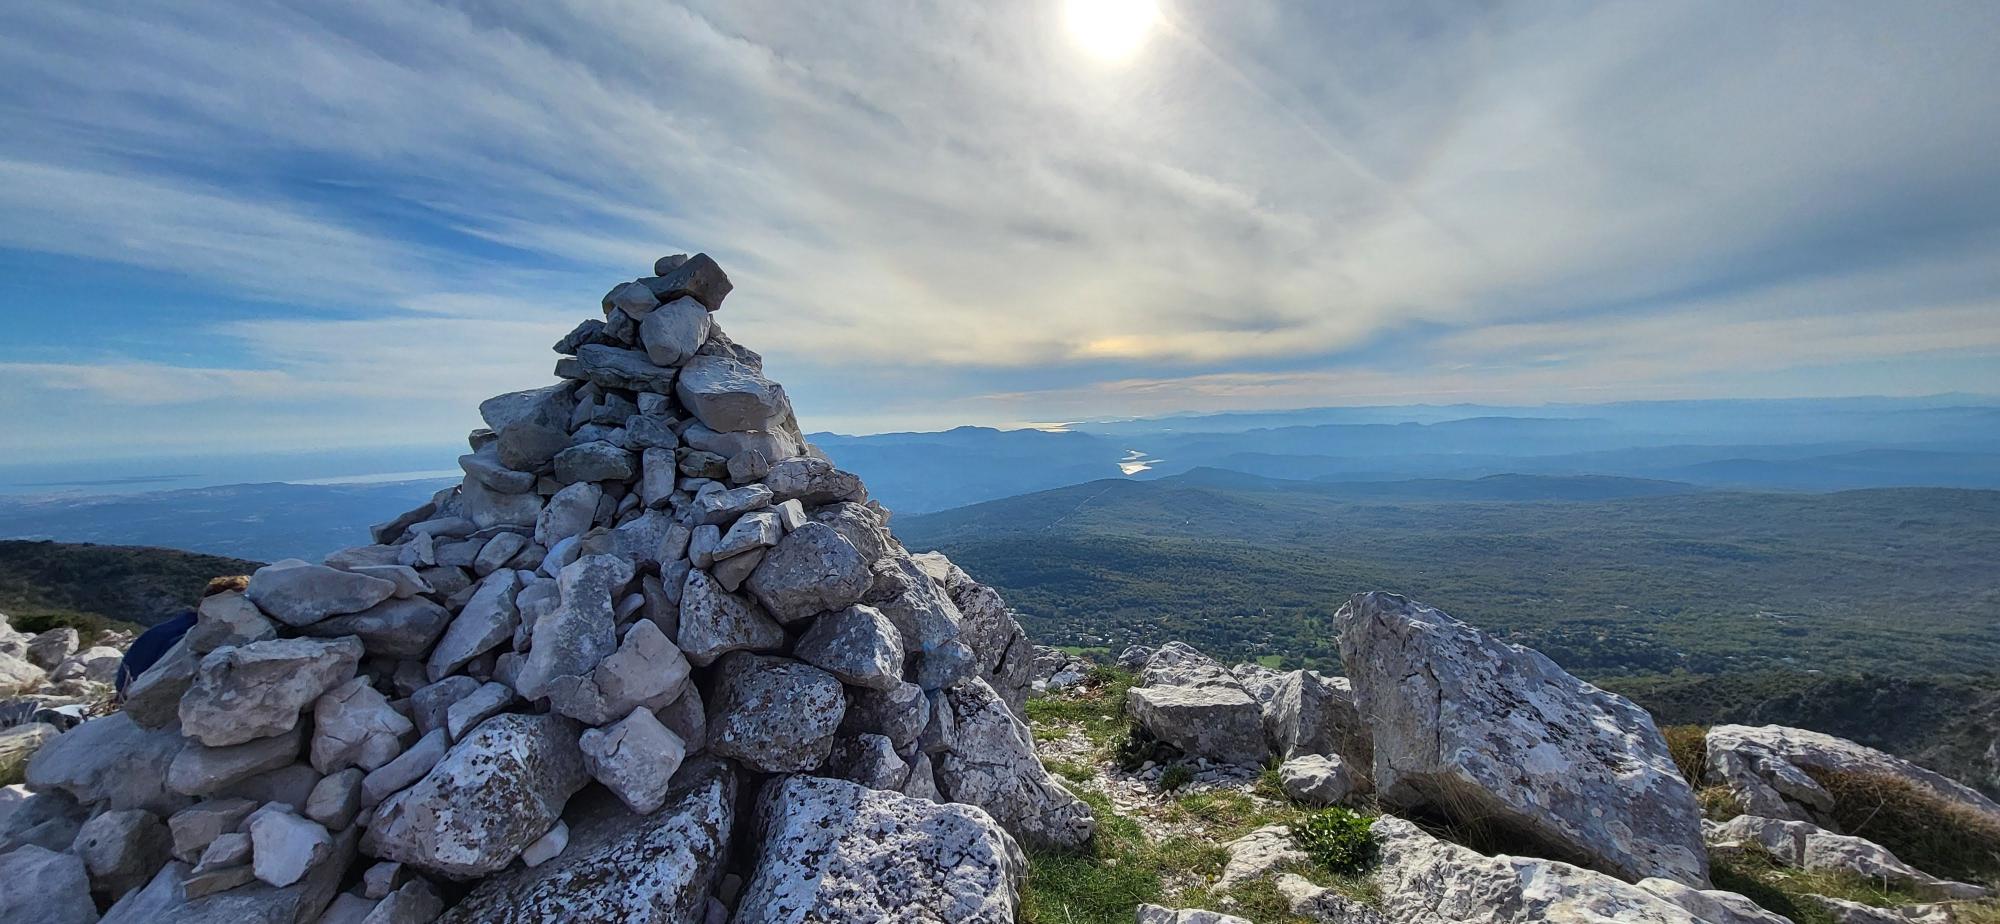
1769,769
258,690
621,867
776,715
354,726
1154,914
582,629
858,645
489,798
715,622
1466,724
635,758
833,852
812,570
1424,880
990,762
1192,702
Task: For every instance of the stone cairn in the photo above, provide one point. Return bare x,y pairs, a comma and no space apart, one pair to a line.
538,696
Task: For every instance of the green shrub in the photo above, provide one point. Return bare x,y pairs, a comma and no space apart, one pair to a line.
1337,839
1175,776
1689,746
1934,835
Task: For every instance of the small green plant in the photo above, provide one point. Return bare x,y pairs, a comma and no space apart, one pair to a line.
1337,839
1175,777
1137,746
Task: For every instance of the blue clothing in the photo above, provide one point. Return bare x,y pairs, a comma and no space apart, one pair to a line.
152,645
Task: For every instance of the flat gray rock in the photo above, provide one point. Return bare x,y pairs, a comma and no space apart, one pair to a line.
727,395
112,763
45,887
582,629
396,628
299,594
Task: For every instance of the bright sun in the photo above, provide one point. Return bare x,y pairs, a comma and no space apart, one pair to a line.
1110,29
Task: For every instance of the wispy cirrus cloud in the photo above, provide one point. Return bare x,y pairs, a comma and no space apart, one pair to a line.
947,212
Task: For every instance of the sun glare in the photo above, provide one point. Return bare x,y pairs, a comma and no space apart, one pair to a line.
1111,30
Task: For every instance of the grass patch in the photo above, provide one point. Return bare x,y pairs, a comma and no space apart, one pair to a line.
1097,709
1689,746
1070,770
1717,803
1118,871
1925,831
1175,777
1260,901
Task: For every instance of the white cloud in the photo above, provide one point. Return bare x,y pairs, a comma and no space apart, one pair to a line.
922,205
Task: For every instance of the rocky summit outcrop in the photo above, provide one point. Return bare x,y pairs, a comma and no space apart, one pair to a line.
653,659
1492,734
1192,702
1774,771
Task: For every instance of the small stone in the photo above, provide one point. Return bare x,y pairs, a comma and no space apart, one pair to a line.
791,513
498,551
634,758
227,850
284,846
487,620
394,628
758,529
595,461
193,829
698,277
1317,779
430,704
228,618
813,482
721,508
407,768
484,703
408,582
122,849
634,299
614,367
733,571
382,879
568,513
336,799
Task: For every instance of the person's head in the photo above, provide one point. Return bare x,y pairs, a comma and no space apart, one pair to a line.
235,582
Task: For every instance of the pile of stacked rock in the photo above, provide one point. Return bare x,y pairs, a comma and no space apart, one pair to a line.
537,697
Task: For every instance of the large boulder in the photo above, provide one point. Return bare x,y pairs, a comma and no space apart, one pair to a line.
990,762
1192,702
835,852
491,796
727,395
1773,771
111,763
621,867
1494,734
258,690
1311,713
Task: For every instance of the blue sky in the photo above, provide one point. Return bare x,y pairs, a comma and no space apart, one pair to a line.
229,228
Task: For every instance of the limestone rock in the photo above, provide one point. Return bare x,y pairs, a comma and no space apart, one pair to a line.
898,713
812,482
812,570
567,514
619,866
715,622
1317,779
45,887
635,758
857,645
97,664
52,647
990,762
1258,855
336,799
153,699
354,726
582,629
838,853
1310,713
1194,703
204,771
674,331
1804,845
598,460
122,849
775,715
399,628
17,676
1427,881
1154,914
284,847
300,594
258,690
616,367
1465,723
1769,769
729,395
698,277
487,620
405,769
495,793
111,763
